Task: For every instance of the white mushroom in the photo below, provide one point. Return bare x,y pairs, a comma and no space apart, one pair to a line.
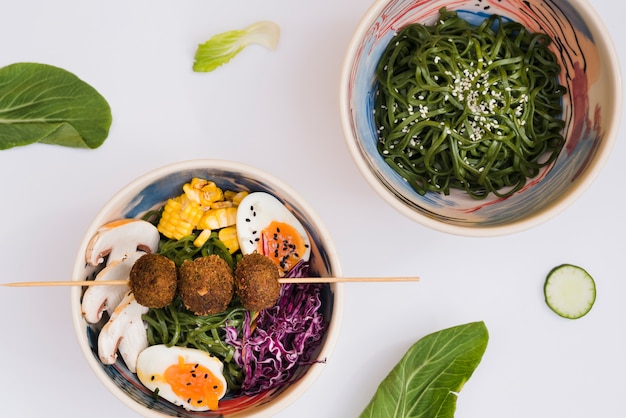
134,341
125,324
119,238
98,299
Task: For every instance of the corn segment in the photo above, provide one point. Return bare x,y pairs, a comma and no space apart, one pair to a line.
228,236
203,207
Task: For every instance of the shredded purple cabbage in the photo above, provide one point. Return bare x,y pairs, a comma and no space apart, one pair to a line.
285,336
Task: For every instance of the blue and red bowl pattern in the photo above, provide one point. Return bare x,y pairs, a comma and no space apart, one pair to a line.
590,83
144,195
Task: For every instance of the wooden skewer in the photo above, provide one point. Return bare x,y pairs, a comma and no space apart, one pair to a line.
282,280
345,279
69,283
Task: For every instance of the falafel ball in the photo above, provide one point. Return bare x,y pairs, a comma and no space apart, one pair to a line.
206,284
153,280
256,282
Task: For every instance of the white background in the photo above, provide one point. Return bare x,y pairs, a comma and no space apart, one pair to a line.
278,110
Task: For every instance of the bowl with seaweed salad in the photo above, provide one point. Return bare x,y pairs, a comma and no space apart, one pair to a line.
480,118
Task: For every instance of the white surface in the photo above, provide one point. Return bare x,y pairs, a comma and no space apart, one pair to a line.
277,110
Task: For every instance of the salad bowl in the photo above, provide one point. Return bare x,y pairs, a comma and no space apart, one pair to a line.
151,191
591,112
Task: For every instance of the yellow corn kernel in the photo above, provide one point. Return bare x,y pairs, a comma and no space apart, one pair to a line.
228,236
222,204
218,218
171,224
238,197
202,238
198,183
190,210
210,193
191,193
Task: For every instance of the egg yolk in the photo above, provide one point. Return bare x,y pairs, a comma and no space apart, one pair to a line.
283,244
194,383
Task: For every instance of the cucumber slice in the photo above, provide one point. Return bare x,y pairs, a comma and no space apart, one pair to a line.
570,291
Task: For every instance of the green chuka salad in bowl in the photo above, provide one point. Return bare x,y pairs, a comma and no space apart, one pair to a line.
480,118
214,316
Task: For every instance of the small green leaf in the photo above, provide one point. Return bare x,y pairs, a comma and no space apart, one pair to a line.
223,47
426,381
43,103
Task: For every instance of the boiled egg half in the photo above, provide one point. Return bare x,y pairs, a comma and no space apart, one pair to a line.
266,226
187,377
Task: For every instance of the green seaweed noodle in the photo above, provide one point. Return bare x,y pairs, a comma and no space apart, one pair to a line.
174,325
184,249
475,108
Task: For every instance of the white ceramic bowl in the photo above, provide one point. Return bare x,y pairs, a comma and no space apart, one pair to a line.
152,190
592,112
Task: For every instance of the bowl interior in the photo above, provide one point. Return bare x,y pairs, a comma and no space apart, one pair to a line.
151,191
591,111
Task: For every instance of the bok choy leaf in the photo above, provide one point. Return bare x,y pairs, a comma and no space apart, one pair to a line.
221,48
427,380
47,104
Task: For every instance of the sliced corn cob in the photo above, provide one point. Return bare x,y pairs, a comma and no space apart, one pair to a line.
202,206
172,224
190,210
229,194
191,193
222,204
235,197
210,193
198,183
218,218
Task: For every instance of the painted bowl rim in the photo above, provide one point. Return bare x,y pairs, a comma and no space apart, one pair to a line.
607,49
295,390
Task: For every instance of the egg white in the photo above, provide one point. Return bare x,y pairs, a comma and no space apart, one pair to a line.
154,361
256,212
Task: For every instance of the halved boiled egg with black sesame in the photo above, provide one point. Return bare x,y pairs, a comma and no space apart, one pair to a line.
186,377
266,226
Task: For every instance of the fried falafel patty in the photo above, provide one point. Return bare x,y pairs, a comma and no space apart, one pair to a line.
206,285
153,280
256,282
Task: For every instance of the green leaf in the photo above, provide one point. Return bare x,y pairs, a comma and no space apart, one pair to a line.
223,47
43,103
426,381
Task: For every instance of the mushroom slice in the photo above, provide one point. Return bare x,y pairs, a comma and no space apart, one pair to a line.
125,323
134,341
119,238
98,299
